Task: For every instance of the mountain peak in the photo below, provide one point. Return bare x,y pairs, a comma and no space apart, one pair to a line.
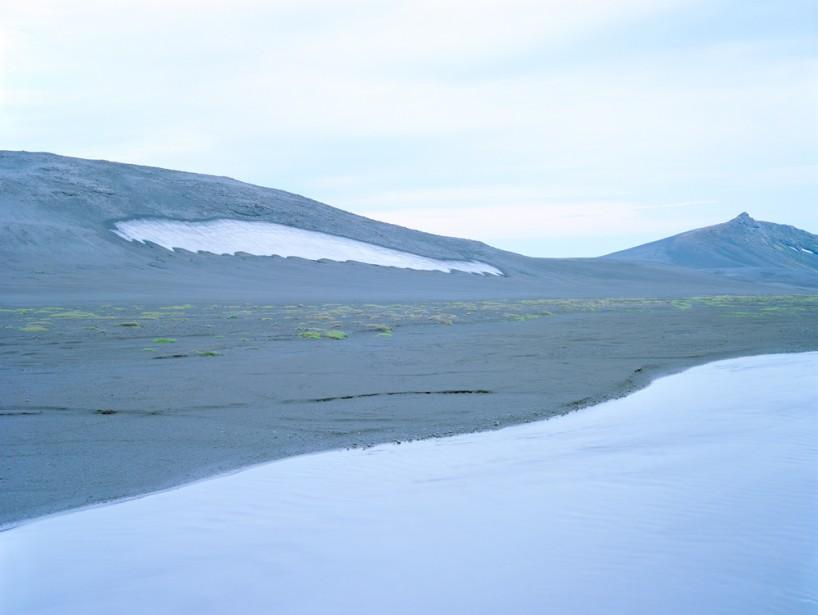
743,218
743,246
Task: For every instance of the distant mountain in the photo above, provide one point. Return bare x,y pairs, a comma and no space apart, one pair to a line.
86,230
742,248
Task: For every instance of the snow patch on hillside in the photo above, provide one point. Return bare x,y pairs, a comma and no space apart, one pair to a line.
270,239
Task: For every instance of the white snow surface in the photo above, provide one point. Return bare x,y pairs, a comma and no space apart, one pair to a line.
269,239
694,495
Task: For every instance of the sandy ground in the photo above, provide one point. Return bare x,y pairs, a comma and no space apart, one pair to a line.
111,401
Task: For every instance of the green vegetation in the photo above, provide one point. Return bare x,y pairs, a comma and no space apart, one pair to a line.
75,314
208,353
527,316
317,334
380,328
34,328
335,334
240,324
18,311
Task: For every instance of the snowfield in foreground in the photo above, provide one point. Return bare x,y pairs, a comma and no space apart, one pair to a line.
695,495
269,239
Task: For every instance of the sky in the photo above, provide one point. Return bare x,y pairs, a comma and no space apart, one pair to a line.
547,127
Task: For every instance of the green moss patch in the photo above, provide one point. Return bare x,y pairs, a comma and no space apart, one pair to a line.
335,334
33,328
75,314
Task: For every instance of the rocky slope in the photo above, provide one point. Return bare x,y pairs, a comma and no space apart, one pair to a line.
742,248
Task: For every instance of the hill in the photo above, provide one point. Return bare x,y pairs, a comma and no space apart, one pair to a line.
742,248
75,230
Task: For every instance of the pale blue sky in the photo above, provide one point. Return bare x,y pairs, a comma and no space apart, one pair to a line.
550,127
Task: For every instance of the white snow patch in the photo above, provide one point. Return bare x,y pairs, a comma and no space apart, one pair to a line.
270,239
698,494
807,251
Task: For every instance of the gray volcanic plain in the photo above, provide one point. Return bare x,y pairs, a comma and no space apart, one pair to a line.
128,367
128,399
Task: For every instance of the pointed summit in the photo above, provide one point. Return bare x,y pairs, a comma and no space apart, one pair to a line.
742,247
743,218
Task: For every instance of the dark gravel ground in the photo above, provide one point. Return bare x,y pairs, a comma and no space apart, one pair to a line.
110,401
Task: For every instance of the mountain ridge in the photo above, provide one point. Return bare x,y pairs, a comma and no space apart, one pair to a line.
58,239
